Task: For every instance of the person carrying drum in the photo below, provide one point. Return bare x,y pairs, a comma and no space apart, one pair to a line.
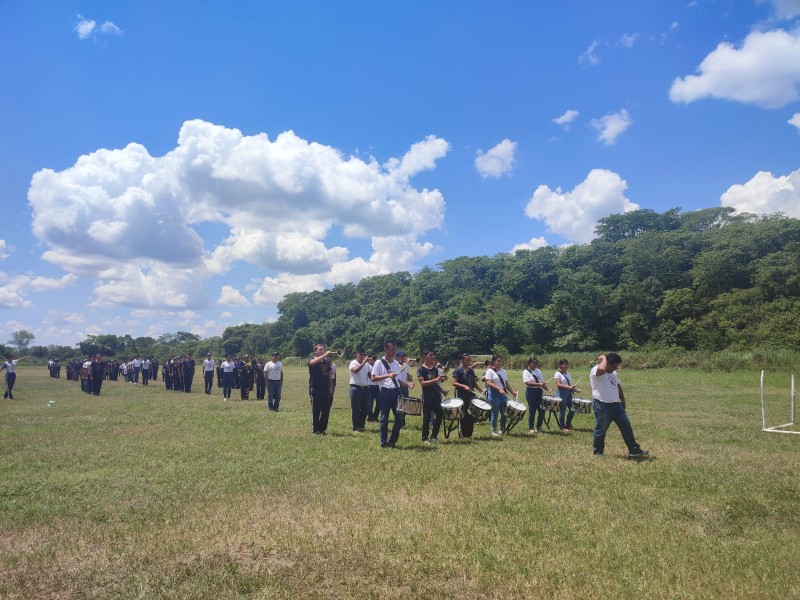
430,378
465,383
534,384
384,373
497,384
608,402
565,389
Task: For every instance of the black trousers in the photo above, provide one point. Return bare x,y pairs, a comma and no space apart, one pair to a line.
208,376
320,408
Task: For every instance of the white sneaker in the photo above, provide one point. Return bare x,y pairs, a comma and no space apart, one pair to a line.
434,441
496,434
426,442
531,431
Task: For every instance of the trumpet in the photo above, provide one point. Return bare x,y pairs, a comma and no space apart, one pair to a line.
335,352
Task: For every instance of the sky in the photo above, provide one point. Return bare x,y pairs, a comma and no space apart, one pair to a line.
181,166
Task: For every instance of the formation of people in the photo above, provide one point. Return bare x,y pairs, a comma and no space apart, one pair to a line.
380,388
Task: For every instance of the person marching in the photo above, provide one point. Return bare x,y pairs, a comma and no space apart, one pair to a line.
228,367
188,367
261,381
97,368
374,412
273,371
10,367
145,371
465,382
430,378
359,389
245,377
497,384
385,372
608,403
208,373
320,388
534,384
565,389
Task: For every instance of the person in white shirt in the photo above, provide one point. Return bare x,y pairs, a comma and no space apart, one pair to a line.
274,373
208,373
565,387
137,366
608,403
374,412
384,373
497,385
228,367
534,386
145,371
359,389
10,367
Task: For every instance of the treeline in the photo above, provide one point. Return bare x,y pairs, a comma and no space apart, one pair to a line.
707,280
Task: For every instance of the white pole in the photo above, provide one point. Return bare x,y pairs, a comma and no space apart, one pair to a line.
793,421
763,413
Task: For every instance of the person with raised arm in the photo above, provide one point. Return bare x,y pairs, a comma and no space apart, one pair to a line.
10,367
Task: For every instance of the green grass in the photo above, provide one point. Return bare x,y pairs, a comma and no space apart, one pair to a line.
144,493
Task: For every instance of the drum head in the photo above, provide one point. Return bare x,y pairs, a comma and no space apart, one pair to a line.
452,403
481,404
516,405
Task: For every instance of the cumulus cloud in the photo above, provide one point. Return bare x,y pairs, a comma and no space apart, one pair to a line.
764,71
14,290
497,161
278,199
590,57
573,215
766,194
795,120
88,29
784,9
230,296
567,118
533,244
611,126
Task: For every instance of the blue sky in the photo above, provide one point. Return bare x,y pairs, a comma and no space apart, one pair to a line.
183,165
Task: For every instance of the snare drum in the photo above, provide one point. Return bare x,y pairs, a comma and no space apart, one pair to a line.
479,409
582,405
515,410
452,408
552,403
409,406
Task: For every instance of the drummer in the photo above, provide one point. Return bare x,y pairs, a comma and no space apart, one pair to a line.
565,388
497,384
430,378
465,383
534,384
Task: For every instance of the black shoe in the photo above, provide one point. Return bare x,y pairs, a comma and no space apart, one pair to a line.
637,453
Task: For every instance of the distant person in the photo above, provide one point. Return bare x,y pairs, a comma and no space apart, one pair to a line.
10,367
145,371
385,372
208,373
497,384
137,368
565,388
274,374
465,382
534,392
188,373
608,402
261,380
97,370
359,389
228,367
430,378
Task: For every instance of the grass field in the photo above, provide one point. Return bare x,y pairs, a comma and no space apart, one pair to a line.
144,493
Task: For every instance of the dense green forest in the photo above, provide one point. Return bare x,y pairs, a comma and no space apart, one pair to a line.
706,280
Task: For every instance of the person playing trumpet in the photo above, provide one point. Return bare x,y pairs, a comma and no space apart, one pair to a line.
321,388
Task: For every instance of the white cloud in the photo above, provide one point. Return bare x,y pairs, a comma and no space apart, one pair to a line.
88,29
14,291
533,244
795,120
226,315
589,57
497,161
3,254
627,40
84,28
567,118
230,296
765,71
573,215
611,126
784,9
279,200
766,194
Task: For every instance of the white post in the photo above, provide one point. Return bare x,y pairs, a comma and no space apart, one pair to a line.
793,421
763,411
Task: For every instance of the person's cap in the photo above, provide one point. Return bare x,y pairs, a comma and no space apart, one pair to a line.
209,354
274,354
400,353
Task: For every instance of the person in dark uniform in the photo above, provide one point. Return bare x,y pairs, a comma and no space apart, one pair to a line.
188,373
166,374
320,387
245,377
465,383
97,369
154,368
261,380
177,374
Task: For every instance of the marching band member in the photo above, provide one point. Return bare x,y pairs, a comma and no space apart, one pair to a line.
10,367
430,378
497,384
384,372
273,371
374,393
261,380
359,389
97,368
534,384
228,367
565,389
609,406
319,372
208,373
465,383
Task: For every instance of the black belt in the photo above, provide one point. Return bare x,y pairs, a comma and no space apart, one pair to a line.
359,386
